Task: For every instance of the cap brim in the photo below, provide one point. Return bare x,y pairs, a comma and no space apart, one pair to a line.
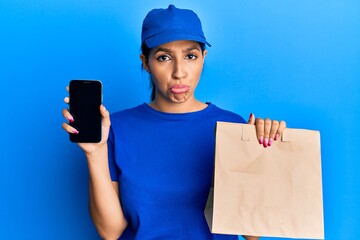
171,36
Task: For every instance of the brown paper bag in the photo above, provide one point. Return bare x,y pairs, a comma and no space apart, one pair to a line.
275,192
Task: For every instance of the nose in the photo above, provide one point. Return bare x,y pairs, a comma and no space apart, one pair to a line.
179,70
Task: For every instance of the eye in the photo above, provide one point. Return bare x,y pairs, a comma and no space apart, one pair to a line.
163,58
191,56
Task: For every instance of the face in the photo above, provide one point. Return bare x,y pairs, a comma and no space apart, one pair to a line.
175,69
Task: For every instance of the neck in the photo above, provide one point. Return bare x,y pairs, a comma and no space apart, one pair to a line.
191,105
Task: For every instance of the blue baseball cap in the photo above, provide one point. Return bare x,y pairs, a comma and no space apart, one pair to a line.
161,26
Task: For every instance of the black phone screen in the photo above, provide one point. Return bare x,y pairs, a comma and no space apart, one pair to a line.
85,101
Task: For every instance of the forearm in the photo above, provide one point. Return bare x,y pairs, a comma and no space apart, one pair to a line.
251,237
105,207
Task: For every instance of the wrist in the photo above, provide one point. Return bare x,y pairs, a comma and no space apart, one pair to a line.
97,153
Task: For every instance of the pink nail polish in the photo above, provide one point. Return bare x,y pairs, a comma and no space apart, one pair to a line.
270,142
276,137
261,140
70,118
266,142
250,117
75,131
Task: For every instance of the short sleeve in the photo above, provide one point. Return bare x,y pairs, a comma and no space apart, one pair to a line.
113,167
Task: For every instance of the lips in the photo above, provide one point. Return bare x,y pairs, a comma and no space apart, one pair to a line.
179,88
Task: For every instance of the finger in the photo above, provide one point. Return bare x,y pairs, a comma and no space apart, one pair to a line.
259,124
67,100
281,128
251,119
67,88
67,115
106,115
267,129
69,128
273,131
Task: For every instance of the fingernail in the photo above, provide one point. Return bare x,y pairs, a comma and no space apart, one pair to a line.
70,118
270,142
250,117
266,142
276,137
261,140
75,131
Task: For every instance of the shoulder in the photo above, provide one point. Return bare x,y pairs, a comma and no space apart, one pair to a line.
129,112
129,117
225,115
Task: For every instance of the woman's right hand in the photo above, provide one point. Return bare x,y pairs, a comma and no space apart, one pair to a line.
89,148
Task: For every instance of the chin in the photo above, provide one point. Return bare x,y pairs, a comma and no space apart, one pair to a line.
179,98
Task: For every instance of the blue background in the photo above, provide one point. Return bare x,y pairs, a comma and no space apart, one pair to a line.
294,60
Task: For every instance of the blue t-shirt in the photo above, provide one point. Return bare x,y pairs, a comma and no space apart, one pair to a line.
164,165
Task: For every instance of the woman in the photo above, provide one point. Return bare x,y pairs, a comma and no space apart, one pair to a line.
151,173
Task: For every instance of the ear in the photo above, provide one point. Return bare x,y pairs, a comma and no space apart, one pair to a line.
204,54
145,62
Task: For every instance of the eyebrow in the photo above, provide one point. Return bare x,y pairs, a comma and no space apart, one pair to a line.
167,50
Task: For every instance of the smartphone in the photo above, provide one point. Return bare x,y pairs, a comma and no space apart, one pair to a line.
85,100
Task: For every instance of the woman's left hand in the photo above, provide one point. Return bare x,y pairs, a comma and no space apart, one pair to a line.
267,130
